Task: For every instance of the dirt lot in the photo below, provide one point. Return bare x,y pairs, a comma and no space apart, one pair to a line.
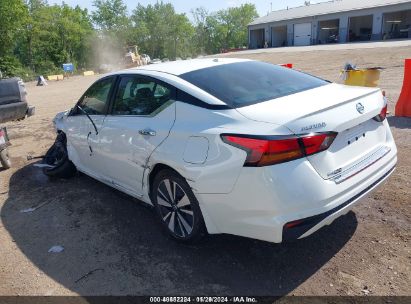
113,245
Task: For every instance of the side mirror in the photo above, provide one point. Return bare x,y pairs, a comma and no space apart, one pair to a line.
73,111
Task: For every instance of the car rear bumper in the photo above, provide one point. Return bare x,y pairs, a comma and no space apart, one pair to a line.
31,110
15,111
304,227
265,199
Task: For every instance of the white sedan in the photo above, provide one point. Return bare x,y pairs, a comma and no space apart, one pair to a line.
229,146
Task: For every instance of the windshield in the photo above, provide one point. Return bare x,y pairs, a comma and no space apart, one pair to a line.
245,83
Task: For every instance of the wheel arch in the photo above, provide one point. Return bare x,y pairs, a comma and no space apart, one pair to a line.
154,171
61,165
72,153
210,226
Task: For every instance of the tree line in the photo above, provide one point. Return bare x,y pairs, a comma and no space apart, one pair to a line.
37,38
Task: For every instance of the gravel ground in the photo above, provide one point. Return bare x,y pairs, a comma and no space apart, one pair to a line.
114,246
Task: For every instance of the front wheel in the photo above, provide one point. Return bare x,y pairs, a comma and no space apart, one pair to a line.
177,207
56,157
5,159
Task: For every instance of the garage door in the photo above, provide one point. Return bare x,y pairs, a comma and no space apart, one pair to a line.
257,39
302,34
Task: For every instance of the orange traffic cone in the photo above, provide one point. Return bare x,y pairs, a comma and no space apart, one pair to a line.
287,65
403,106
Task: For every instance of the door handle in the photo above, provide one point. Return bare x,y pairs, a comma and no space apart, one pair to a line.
147,132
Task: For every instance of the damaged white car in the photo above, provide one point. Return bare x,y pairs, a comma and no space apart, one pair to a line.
229,146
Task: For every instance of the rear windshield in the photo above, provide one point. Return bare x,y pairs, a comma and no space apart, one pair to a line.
245,83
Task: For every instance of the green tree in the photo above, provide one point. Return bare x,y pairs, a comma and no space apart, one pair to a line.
110,15
237,21
181,33
13,15
161,32
75,28
40,37
202,37
54,35
224,29
113,26
59,34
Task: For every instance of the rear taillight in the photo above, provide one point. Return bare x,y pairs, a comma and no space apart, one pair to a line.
383,114
265,151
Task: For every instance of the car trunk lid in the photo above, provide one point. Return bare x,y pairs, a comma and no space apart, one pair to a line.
331,108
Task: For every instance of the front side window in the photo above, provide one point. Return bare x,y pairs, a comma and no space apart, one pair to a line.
138,95
95,100
245,83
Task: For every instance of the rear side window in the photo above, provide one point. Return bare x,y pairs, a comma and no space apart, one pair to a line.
245,83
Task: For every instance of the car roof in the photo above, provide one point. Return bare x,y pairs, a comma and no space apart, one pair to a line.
184,66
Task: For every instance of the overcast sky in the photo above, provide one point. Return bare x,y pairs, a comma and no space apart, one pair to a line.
185,6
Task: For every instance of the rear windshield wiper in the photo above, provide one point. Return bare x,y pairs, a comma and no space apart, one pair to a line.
88,116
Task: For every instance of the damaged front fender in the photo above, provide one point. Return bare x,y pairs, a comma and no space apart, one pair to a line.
58,120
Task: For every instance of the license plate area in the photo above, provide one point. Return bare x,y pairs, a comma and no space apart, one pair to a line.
355,135
341,156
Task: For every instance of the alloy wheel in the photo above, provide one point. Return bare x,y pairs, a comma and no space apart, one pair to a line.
175,208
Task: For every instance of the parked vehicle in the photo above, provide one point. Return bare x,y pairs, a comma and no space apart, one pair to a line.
146,59
13,100
106,68
229,146
155,61
13,106
132,58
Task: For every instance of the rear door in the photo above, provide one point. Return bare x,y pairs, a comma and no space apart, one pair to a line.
140,119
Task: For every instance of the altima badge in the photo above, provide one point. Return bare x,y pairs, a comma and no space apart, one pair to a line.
314,126
360,108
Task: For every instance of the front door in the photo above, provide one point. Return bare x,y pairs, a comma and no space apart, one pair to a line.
141,118
82,130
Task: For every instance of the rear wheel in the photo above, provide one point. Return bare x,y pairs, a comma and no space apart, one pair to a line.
57,158
177,207
5,159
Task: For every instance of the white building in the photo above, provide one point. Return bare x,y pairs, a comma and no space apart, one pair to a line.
335,21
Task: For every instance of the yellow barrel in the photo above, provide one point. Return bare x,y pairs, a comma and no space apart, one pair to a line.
363,78
55,77
88,73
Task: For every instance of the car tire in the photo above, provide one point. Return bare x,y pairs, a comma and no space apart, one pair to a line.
177,207
5,159
57,157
